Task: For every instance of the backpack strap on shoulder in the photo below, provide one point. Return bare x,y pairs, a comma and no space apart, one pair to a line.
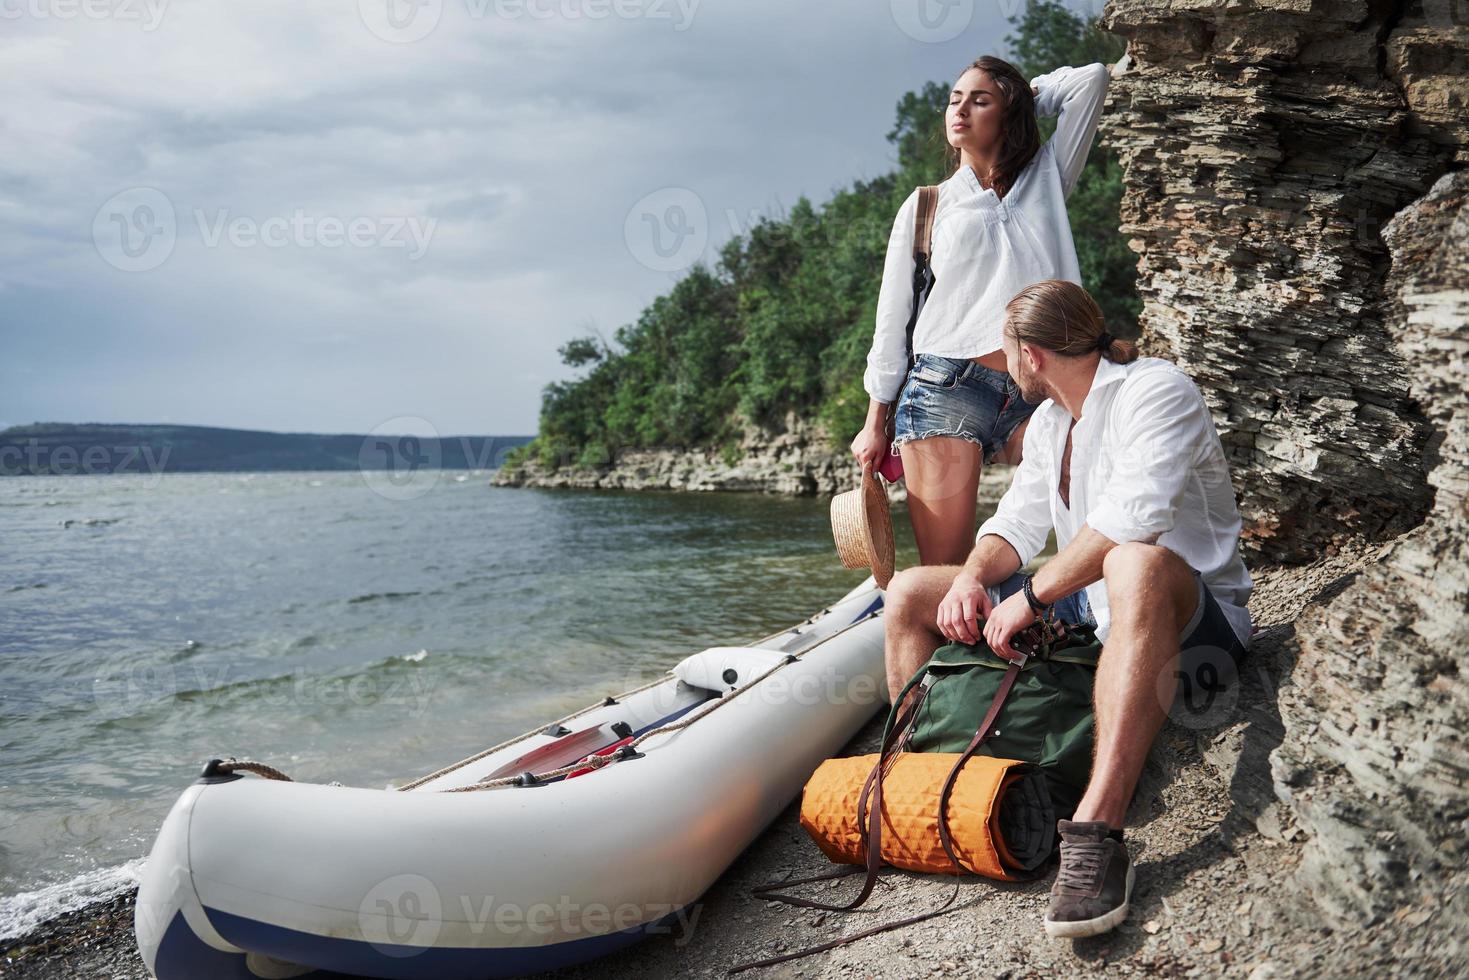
928,205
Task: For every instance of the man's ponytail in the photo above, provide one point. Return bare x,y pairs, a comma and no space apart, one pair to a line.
1060,316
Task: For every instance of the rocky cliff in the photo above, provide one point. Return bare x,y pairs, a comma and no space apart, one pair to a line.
1375,763
1296,195
1266,145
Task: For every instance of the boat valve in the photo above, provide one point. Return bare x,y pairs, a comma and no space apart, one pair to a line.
214,774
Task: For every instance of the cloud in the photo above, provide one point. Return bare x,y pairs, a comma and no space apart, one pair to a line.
518,143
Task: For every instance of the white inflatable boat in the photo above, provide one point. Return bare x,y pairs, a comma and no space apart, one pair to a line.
554,848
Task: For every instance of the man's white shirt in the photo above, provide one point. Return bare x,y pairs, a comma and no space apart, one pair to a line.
1146,465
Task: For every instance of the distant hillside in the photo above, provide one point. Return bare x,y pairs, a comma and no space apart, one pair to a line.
53,448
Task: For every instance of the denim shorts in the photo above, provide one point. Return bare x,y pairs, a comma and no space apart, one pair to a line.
953,396
1208,677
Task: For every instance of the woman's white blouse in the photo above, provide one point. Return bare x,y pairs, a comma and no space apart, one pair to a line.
985,249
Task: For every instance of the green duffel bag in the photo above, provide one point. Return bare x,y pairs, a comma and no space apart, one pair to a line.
1041,706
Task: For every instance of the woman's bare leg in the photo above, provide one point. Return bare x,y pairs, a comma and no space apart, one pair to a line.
942,474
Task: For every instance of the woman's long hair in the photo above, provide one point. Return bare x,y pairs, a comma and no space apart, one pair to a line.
1021,134
1059,316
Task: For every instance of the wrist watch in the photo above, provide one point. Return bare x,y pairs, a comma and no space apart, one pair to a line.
1036,606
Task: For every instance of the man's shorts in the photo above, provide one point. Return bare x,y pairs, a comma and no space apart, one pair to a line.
1207,675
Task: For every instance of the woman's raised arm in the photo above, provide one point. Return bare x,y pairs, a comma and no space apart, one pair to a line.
1077,95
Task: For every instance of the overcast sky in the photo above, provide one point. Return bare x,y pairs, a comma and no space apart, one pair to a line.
323,215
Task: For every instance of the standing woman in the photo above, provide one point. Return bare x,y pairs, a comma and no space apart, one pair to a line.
1001,225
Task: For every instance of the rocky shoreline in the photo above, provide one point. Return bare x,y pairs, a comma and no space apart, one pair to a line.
797,460
93,941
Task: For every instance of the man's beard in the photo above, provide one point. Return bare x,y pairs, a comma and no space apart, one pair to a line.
1032,389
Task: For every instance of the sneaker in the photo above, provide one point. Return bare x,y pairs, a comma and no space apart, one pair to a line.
1094,883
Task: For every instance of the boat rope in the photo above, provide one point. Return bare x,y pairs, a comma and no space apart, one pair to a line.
232,765
629,750
454,767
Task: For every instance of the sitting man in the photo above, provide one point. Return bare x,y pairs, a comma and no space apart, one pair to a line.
1122,460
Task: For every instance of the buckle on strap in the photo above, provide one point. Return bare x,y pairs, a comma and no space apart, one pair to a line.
1025,644
1038,639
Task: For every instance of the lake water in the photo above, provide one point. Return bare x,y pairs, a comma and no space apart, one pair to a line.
338,630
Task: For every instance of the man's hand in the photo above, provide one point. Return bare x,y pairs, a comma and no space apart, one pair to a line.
967,602
1007,619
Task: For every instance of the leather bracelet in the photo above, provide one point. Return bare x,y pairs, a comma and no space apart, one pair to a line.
1036,606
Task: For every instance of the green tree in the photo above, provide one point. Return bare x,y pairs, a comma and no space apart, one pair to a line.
1048,35
919,136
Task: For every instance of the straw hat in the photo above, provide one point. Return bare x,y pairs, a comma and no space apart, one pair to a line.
862,524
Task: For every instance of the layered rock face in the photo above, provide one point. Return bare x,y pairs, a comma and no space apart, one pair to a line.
1280,155
798,460
1375,763
1266,145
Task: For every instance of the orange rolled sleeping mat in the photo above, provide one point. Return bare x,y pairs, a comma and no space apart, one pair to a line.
999,814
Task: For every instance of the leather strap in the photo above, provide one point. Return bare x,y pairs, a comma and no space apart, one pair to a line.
871,816
986,728
928,203
874,832
928,206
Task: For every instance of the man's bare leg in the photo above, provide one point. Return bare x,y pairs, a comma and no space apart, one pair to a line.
910,620
1152,594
